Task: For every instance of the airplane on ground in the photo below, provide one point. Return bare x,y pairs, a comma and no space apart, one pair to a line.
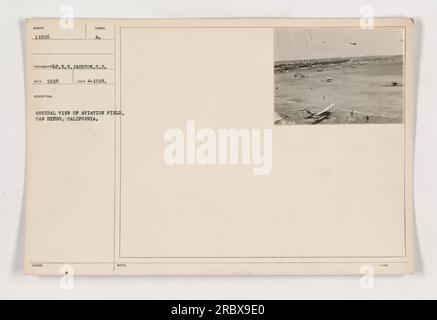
319,116
314,117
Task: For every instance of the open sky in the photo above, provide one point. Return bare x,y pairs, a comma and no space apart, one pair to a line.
301,44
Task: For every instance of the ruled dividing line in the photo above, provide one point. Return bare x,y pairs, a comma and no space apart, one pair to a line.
73,84
220,262
73,54
76,69
78,39
115,159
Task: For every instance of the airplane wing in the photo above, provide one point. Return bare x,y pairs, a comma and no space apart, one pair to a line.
325,110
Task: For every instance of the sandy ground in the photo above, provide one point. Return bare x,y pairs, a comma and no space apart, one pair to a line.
362,91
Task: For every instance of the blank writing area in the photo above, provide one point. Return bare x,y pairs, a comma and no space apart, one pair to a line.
334,191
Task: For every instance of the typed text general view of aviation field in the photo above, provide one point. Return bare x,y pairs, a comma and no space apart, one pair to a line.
338,76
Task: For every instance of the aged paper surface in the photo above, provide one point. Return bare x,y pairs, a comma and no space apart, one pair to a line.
226,146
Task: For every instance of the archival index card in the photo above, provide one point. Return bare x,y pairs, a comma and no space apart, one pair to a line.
227,146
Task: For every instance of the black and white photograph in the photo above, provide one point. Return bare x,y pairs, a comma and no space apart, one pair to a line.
338,76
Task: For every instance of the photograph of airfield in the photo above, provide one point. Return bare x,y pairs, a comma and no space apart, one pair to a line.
338,76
